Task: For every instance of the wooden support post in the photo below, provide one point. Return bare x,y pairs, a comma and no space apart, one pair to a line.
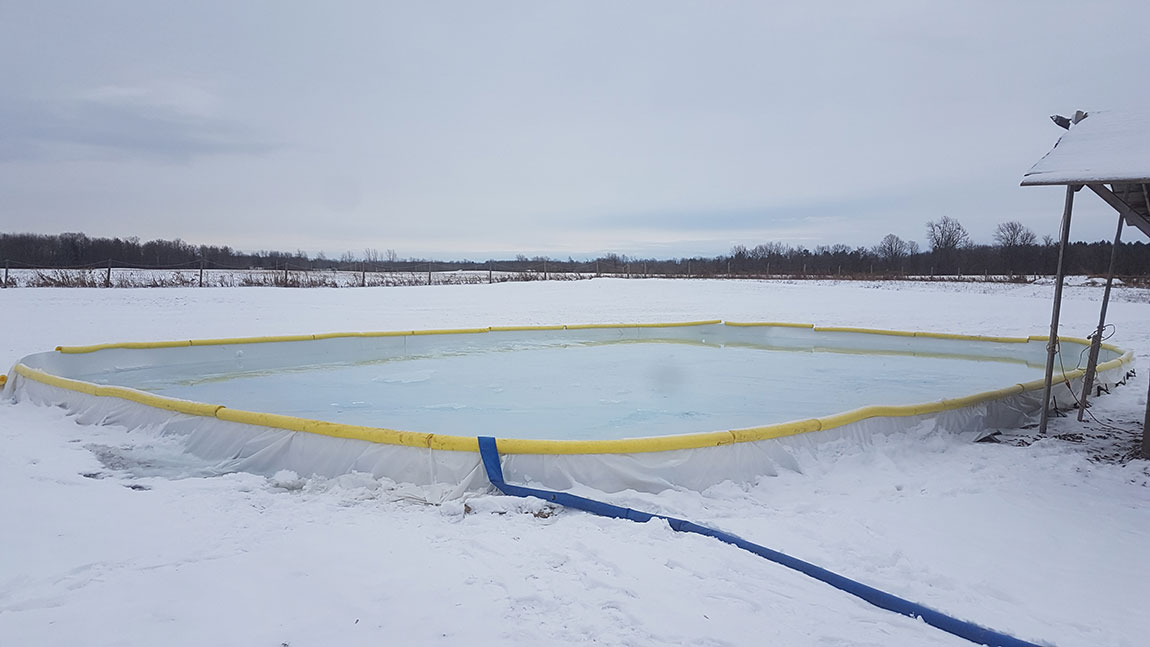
688,269
1052,342
1146,418
108,276
429,273
1096,341
201,272
545,277
285,274
1145,425
1132,217
645,275
489,280
363,275
6,264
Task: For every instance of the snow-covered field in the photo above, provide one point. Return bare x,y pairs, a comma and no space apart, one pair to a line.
1039,541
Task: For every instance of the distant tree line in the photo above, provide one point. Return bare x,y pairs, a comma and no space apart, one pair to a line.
1016,252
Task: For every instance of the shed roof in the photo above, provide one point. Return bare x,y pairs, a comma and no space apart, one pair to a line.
1106,147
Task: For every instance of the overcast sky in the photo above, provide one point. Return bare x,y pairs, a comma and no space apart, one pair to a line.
478,129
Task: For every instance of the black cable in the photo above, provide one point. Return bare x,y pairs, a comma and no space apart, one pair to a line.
1079,400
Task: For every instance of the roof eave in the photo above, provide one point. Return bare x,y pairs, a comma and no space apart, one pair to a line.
1064,181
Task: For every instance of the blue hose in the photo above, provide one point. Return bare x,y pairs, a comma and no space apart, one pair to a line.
968,630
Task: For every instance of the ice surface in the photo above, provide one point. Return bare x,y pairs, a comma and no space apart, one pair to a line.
590,391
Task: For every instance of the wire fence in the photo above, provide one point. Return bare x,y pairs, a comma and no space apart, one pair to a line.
206,273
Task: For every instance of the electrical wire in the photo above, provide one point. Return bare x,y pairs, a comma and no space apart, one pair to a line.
1075,394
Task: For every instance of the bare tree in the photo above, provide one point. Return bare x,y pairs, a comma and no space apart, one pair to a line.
1016,241
892,249
1014,234
392,256
946,235
766,250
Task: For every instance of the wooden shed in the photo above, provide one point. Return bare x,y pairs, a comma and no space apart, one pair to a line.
1107,152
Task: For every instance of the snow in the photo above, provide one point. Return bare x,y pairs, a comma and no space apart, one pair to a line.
1039,541
1107,146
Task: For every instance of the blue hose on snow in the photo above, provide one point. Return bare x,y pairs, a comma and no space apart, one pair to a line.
968,630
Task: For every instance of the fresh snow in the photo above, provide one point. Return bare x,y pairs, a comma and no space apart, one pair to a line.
1038,541
1107,146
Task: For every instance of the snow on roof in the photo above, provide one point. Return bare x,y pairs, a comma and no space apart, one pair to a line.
1107,146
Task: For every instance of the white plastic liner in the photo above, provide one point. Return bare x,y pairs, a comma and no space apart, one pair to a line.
231,446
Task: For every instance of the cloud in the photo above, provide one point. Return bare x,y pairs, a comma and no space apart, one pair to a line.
168,122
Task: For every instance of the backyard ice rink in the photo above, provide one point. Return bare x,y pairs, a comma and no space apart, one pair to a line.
1037,541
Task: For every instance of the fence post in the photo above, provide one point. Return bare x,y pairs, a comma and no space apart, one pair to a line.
363,275
201,272
6,264
596,268
108,276
645,274
285,274
545,271
489,281
688,269
429,273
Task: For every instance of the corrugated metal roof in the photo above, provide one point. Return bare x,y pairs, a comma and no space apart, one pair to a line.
1108,146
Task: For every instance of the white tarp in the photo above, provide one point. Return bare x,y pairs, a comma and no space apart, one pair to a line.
232,447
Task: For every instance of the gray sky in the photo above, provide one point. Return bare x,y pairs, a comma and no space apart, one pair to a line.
492,128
